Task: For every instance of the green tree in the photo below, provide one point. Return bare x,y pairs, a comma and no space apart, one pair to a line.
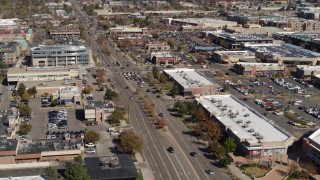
54,102
199,115
191,106
110,94
92,136
24,110
21,89
32,91
129,142
179,48
116,116
163,78
155,35
26,96
24,128
170,43
155,72
230,145
88,89
217,149
174,91
76,172
51,173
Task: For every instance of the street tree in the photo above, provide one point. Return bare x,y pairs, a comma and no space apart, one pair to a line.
26,96
88,89
163,78
116,116
174,91
213,130
155,72
24,128
51,173
191,107
230,145
110,94
92,136
24,110
161,123
32,91
129,142
54,102
21,89
76,172
199,115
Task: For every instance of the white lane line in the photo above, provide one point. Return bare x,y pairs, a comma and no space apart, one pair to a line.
165,151
181,166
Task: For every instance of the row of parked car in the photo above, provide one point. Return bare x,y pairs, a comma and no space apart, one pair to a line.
313,111
290,86
58,119
65,134
239,86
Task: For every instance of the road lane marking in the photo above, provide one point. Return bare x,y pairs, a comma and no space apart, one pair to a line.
165,151
181,166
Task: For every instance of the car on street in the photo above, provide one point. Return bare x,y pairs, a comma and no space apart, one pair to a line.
90,151
194,154
210,171
171,149
161,114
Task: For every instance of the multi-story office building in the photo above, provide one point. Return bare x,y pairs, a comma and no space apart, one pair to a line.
9,52
60,55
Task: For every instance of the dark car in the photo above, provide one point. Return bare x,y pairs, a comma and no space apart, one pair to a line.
161,114
194,154
171,149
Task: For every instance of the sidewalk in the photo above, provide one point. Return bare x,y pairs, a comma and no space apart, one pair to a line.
237,172
278,172
144,167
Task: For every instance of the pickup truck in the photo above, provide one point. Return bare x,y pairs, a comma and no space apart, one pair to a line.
89,145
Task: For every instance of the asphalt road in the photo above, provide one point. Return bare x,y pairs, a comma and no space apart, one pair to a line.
164,165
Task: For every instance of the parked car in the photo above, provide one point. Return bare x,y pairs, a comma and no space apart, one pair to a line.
194,154
89,145
90,151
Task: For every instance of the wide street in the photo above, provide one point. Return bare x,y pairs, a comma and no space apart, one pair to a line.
165,165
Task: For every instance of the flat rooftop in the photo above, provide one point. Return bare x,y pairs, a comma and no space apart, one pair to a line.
235,53
188,78
283,50
262,66
127,168
242,121
305,36
42,145
202,21
48,83
242,37
306,67
315,136
41,69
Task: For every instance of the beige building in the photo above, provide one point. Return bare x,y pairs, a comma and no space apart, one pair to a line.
98,111
41,73
259,69
232,56
9,52
161,46
127,31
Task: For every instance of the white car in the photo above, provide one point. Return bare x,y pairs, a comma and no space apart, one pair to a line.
90,151
278,113
89,145
311,123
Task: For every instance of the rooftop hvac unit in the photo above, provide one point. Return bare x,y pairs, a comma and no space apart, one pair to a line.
248,122
257,134
246,115
245,125
251,130
239,121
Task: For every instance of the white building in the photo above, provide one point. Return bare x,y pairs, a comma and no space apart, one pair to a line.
8,24
255,135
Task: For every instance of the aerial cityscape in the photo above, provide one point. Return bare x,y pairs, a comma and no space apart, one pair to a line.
159,90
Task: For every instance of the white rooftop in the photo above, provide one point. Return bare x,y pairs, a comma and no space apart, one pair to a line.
315,136
243,122
188,77
306,67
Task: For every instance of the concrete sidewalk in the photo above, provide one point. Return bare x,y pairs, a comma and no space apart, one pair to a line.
237,172
144,167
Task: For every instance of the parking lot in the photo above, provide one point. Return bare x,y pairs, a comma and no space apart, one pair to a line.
39,119
264,90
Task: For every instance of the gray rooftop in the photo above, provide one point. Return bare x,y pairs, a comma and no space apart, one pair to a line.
188,78
41,145
241,37
242,121
283,50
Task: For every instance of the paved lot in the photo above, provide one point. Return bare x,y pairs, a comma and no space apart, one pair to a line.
39,119
279,120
